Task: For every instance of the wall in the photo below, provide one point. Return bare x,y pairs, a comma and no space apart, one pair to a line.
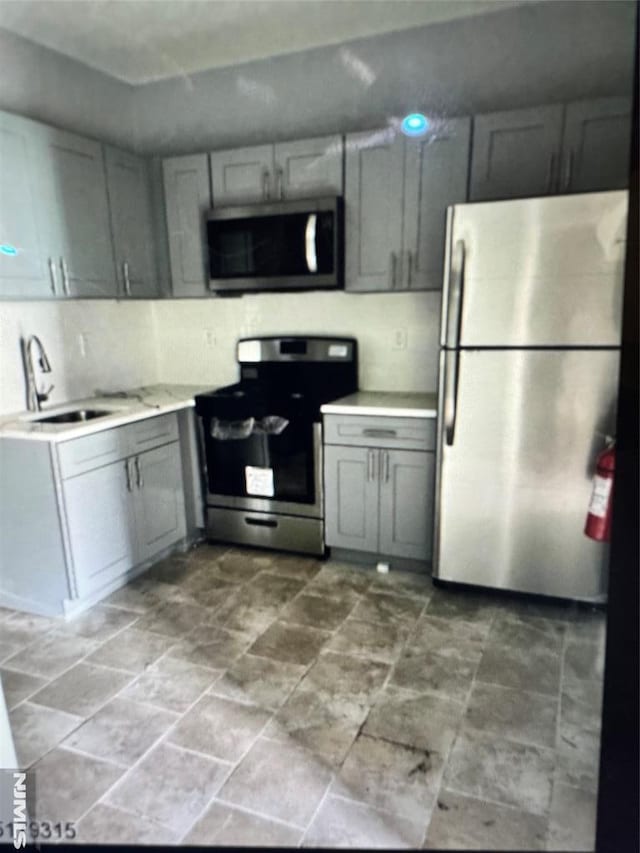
184,356
44,85
120,350
522,56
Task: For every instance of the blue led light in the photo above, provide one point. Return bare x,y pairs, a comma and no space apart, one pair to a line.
415,124
5,249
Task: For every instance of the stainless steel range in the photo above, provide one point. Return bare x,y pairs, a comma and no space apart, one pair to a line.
262,441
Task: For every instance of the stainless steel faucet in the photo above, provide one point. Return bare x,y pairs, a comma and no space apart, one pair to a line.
34,397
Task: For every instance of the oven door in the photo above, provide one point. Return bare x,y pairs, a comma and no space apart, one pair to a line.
266,473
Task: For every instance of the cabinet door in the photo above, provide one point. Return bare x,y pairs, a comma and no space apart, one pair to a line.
130,211
100,525
23,268
436,172
308,167
242,175
596,143
516,153
351,497
374,199
406,503
75,207
159,499
187,199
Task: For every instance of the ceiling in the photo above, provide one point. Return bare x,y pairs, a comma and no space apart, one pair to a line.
138,41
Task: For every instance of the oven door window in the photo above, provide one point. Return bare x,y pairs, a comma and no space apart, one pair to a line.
279,467
291,244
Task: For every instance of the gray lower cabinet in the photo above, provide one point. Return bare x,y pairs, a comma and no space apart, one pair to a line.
101,526
379,495
582,146
187,198
397,194
128,183
103,504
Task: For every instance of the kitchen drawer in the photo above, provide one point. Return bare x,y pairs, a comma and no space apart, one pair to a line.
152,432
92,451
101,448
368,431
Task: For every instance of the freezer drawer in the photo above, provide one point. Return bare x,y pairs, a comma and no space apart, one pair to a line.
535,272
516,451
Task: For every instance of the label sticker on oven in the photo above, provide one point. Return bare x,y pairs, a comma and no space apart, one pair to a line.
259,481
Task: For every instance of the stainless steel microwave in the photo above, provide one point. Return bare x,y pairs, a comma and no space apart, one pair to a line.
284,245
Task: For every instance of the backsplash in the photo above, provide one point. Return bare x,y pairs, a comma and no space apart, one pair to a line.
118,343
128,344
196,338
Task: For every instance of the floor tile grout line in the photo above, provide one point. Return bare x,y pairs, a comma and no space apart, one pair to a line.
254,812
380,809
557,738
459,729
82,752
160,739
491,801
234,767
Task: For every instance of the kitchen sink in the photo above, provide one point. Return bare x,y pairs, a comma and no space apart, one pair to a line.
75,416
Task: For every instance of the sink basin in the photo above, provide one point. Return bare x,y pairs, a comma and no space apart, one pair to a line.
74,416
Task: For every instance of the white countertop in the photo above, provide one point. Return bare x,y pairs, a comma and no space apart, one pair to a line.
132,405
385,404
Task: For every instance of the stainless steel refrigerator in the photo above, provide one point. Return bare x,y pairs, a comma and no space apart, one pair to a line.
530,337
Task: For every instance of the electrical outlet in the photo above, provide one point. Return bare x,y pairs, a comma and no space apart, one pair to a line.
399,339
209,338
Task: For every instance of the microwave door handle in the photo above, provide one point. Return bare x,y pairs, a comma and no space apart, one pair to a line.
310,252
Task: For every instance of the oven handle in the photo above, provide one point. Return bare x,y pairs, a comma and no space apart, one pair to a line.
260,522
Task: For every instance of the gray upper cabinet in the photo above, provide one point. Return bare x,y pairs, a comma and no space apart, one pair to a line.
131,223
72,194
306,167
187,198
436,172
397,194
374,172
242,175
23,269
516,153
596,143
578,147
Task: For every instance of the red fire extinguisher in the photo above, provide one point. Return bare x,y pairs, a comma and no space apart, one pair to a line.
598,524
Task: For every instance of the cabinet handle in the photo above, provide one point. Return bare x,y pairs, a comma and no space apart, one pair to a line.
128,470
379,433
385,460
371,474
568,170
409,266
52,275
265,184
279,182
552,161
393,265
125,275
139,480
65,277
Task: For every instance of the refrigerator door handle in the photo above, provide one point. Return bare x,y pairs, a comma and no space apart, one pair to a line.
454,297
450,394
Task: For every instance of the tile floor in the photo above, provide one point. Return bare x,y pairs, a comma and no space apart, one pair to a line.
232,697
